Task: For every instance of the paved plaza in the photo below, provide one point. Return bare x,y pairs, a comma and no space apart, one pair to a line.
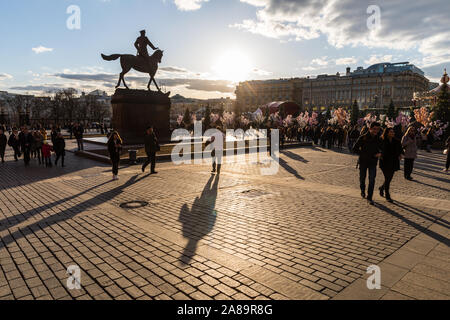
304,233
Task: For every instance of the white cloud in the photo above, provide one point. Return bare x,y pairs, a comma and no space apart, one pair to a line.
320,61
405,25
346,61
378,59
261,72
41,49
5,76
189,5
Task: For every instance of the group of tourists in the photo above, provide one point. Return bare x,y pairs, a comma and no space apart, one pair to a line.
374,146
33,144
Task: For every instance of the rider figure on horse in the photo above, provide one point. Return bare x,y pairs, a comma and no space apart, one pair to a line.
141,45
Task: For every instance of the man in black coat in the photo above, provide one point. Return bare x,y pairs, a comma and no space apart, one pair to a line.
78,131
368,146
26,139
59,147
3,143
14,142
151,147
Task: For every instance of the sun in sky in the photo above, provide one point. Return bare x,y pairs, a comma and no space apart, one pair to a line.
233,65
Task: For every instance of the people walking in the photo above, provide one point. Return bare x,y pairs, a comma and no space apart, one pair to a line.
114,149
47,154
14,142
368,147
447,164
3,143
391,152
38,140
26,140
78,131
151,147
217,150
409,144
60,149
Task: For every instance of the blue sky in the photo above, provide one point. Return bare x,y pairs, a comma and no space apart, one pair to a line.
210,45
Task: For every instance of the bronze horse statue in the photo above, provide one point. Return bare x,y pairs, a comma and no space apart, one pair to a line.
128,62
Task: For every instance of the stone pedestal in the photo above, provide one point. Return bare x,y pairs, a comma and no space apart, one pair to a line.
135,110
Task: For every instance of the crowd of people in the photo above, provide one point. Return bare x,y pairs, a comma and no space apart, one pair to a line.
373,145
33,144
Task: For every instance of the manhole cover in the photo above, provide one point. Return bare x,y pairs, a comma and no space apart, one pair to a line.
134,204
254,193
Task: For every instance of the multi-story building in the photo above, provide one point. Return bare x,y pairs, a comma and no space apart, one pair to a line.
373,87
252,94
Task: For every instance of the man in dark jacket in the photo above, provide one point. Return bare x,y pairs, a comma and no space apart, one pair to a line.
59,148
3,143
368,146
14,142
151,147
78,131
26,139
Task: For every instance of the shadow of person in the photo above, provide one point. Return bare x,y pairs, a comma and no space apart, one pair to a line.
199,221
294,156
289,169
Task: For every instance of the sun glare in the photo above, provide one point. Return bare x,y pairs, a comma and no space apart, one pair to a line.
233,65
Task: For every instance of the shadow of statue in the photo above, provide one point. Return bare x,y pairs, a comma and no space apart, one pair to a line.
199,221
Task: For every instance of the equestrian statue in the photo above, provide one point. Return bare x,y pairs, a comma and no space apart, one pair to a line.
142,62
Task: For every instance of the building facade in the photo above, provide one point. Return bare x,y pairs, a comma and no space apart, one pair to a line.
373,87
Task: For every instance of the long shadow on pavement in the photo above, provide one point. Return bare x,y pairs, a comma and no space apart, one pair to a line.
69,213
294,156
199,221
423,214
418,227
289,169
21,217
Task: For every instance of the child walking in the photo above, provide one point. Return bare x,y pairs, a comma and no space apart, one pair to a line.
47,154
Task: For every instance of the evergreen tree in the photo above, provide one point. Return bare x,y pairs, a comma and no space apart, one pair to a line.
391,111
354,113
220,110
442,108
187,117
207,121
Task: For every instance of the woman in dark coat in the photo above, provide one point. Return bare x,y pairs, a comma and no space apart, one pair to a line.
114,149
391,152
60,148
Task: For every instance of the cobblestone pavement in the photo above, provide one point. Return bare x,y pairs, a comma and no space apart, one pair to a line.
303,233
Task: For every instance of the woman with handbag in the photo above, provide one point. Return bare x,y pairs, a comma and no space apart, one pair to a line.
409,143
114,148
